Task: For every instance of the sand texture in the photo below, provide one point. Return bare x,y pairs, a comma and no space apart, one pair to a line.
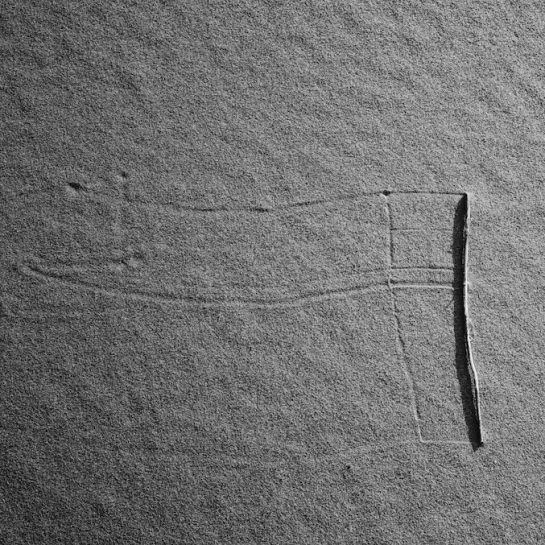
271,272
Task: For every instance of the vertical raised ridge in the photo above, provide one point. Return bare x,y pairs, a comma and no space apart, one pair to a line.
469,352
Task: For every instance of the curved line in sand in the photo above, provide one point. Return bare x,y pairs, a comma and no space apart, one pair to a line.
36,271
264,208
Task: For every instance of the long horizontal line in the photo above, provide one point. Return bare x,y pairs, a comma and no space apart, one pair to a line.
421,286
422,269
244,461
248,208
35,272
431,442
412,229
289,205
97,195
416,192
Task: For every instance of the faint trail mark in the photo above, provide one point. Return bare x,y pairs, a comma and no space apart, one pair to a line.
401,285
398,229
123,198
421,268
48,276
34,270
399,338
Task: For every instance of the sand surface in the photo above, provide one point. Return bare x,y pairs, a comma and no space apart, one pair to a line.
235,303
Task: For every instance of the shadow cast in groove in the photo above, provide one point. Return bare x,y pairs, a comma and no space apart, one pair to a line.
462,363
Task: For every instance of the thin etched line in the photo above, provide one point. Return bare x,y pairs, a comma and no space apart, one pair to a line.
244,208
398,229
399,338
177,208
244,461
401,285
34,271
280,206
422,268
469,352
386,444
431,442
257,208
417,192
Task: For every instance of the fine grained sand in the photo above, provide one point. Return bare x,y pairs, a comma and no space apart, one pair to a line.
232,266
